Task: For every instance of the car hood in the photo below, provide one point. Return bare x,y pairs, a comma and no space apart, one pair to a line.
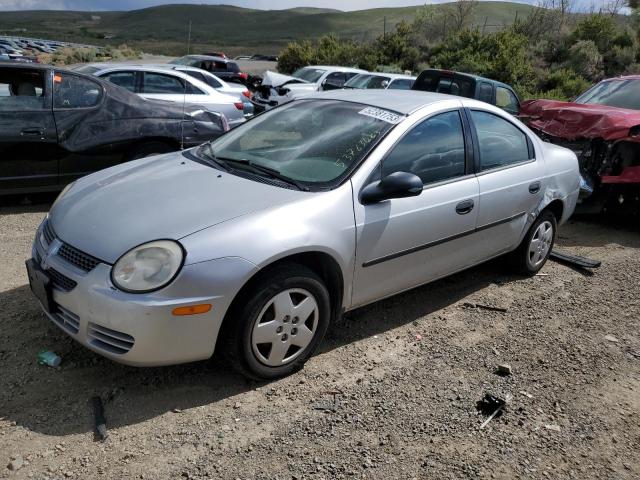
273,79
165,197
572,121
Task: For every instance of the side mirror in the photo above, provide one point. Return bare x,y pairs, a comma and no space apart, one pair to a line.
394,185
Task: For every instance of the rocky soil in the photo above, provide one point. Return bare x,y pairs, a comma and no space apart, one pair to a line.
393,393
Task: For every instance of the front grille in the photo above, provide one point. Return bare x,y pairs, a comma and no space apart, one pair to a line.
61,281
66,319
47,232
110,340
75,257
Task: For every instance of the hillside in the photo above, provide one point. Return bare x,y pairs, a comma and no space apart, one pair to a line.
163,29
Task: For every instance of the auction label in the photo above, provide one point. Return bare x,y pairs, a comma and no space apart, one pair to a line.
380,114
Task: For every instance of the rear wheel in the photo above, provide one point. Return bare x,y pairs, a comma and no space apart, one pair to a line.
533,252
148,149
279,323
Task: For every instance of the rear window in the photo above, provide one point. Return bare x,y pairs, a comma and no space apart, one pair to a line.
444,82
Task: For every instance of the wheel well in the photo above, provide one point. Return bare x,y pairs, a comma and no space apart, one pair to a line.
322,264
556,207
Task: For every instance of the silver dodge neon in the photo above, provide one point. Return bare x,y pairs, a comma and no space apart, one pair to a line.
252,244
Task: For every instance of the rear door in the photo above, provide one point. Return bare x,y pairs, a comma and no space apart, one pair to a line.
29,151
510,177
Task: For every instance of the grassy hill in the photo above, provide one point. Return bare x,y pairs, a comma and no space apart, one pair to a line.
235,30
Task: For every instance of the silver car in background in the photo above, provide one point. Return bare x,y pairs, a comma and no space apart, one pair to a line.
277,89
373,81
252,244
162,83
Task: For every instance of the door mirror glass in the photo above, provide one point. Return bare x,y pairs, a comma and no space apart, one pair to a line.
395,185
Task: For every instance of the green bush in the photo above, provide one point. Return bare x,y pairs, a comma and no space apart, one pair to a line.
585,59
562,84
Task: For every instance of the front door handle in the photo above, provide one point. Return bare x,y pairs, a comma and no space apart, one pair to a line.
464,207
534,187
32,132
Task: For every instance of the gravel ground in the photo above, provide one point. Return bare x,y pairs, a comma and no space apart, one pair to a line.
391,394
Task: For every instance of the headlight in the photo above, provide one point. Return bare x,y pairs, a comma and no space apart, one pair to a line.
148,267
62,194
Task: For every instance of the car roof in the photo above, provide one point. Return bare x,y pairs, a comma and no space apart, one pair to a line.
335,67
470,75
401,101
209,57
393,76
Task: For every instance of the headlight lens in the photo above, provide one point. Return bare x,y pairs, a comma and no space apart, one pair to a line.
148,267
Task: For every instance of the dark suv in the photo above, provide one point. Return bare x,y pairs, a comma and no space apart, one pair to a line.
223,68
470,86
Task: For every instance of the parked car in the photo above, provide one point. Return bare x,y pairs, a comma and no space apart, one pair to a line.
234,89
58,125
243,57
383,81
277,88
223,68
602,125
353,195
258,57
166,84
470,86
215,54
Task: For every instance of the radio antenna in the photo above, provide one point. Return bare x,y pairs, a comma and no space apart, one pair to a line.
184,92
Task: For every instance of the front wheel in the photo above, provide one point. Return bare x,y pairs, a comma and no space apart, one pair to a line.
279,323
533,252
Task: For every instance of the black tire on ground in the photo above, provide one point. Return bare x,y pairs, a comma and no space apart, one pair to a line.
148,149
237,341
525,259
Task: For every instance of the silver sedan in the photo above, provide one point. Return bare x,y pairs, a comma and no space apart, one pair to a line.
253,244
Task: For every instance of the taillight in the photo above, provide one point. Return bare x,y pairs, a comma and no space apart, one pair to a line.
247,93
243,75
239,105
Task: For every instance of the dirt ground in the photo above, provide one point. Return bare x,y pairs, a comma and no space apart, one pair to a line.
392,393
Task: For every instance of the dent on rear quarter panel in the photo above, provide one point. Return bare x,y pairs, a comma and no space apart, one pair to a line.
563,178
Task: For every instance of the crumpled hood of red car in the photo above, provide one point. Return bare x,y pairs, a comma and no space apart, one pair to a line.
572,121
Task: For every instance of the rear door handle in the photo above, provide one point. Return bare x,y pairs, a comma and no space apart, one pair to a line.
464,207
534,187
32,132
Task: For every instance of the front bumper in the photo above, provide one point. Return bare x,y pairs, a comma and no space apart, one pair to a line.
140,329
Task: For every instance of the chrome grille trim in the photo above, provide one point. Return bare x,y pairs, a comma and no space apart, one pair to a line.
110,340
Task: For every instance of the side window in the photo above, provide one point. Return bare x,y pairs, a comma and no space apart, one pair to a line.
123,79
485,92
401,84
433,150
219,67
21,89
336,79
71,91
501,143
160,83
506,100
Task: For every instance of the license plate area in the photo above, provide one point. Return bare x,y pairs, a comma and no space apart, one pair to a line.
40,284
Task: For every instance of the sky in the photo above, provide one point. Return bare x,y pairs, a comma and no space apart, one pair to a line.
347,5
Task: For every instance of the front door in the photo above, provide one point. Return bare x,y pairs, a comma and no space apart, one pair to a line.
405,242
29,150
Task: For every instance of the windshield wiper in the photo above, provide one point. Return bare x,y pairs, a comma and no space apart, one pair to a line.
272,172
210,156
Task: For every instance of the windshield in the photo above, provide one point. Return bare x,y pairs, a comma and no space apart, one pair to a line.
183,61
309,74
614,93
315,142
367,81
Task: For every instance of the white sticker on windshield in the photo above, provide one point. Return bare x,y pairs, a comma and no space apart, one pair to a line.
380,114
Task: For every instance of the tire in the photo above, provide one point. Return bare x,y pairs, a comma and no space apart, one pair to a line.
148,149
530,257
278,323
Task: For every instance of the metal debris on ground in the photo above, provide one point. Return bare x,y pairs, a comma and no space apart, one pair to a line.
493,406
100,421
574,260
484,307
331,406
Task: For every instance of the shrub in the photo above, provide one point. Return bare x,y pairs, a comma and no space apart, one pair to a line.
585,59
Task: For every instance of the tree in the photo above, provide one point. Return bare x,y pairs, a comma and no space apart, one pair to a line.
461,13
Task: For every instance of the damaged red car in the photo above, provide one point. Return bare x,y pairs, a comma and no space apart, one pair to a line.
602,126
